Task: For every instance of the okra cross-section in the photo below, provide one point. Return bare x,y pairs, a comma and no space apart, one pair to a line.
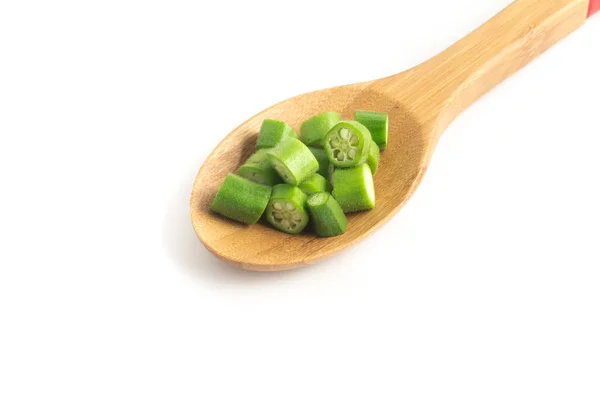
377,124
327,216
241,200
286,210
314,184
354,189
273,132
293,161
347,144
258,169
313,130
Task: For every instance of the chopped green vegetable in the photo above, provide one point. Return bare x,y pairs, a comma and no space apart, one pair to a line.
327,215
258,169
314,184
286,210
313,130
373,158
293,161
241,200
321,157
347,144
353,188
326,174
273,132
377,124
330,173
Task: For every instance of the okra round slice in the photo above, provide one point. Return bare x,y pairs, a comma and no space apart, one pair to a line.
373,158
347,144
293,161
258,169
377,124
327,216
313,130
286,210
273,132
353,188
314,184
241,200
321,157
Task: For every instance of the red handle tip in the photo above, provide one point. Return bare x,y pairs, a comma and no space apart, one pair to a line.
594,6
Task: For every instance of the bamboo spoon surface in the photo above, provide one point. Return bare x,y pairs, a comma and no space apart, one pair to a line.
421,103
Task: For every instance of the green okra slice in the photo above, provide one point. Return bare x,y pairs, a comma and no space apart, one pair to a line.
353,188
314,184
373,158
258,169
293,161
313,130
347,144
330,173
286,210
321,157
241,200
327,216
273,132
377,124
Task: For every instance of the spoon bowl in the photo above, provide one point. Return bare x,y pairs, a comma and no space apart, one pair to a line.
260,247
420,102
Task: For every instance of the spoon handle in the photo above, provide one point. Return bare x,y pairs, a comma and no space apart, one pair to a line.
594,7
456,78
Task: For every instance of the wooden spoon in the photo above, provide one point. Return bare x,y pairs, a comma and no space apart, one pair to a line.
421,103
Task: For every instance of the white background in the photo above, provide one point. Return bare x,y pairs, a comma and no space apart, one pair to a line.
485,286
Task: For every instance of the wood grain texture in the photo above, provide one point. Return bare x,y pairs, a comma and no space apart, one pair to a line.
421,103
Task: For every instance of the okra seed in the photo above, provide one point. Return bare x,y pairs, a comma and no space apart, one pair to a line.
277,205
344,133
354,140
352,153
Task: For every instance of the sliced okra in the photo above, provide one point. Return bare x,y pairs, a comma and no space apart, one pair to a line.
314,184
347,144
353,188
293,161
241,200
326,214
377,124
258,169
373,158
330,173
313,130
321,157
286,210
273,132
